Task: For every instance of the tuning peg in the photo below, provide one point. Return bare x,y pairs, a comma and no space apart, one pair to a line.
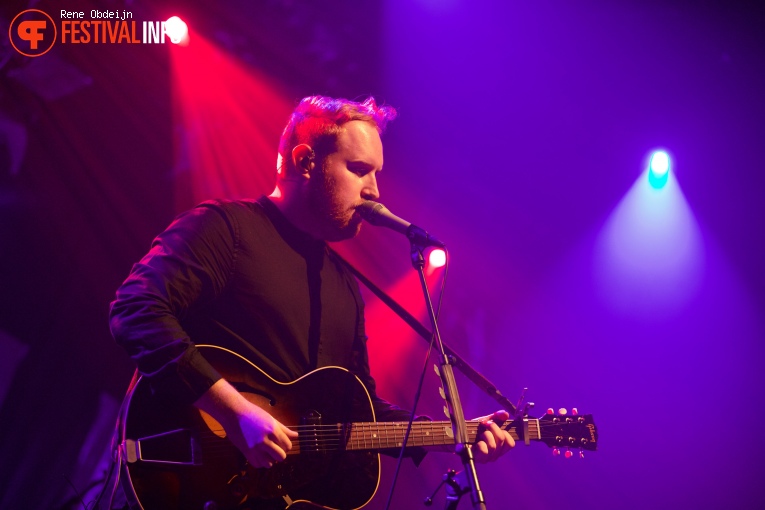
574,411
568,453
442,393
446,412
556,451
550,410
562,411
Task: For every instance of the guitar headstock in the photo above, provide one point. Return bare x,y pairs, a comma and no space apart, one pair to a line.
564,431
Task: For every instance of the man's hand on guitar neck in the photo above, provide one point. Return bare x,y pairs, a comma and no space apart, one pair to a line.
492,442
262,439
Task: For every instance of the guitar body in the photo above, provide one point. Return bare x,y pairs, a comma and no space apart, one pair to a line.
178,458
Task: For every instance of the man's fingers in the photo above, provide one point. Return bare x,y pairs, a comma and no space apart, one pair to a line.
286,436
276,452
489,436
500,416
282,435
290,433
509,442
260,459
483,451
271,450
266,454
493,441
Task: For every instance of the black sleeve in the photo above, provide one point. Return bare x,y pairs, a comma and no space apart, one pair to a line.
188,265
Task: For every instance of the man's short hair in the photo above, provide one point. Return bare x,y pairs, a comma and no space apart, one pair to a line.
317,121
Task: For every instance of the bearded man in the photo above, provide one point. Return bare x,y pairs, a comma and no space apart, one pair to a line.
256,277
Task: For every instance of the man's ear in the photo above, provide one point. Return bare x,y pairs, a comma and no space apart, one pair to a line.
303,158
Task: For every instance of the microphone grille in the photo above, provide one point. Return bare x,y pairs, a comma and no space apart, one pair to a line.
369,209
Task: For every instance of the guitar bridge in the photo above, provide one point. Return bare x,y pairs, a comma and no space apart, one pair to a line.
176,447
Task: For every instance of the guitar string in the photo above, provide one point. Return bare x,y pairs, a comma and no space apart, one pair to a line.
422,424
425,424
366,435
371,435
433,436
336,444
325,443
421,438
375,429
362,439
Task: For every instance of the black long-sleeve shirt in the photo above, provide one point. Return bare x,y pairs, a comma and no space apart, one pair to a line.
239,275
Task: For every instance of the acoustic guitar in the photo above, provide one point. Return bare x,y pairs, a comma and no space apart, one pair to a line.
176,457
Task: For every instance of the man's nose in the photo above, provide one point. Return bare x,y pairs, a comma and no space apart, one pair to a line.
370,191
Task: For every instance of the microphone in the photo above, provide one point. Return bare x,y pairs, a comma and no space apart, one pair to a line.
379,216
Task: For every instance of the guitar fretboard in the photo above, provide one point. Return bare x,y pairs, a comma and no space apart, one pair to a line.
380,435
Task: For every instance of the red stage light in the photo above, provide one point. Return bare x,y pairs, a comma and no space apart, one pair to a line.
437,258
177,30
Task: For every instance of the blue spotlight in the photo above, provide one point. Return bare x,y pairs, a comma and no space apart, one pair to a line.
658,169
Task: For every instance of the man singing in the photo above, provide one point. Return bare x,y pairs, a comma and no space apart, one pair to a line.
256,277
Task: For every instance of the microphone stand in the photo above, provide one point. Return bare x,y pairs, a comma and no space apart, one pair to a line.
463,447
456,359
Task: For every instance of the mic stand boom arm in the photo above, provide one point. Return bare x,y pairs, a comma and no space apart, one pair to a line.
456,360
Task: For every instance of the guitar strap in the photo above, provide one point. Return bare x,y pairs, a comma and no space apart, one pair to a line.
471,373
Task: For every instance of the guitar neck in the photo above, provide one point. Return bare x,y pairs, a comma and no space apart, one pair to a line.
380,435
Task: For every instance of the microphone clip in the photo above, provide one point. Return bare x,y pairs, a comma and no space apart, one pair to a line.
421,238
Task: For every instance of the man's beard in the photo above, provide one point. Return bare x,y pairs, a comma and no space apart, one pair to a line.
339,221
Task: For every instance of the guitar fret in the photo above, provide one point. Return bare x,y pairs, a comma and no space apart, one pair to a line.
380,435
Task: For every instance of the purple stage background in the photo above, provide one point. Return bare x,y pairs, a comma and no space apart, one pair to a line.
523,137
